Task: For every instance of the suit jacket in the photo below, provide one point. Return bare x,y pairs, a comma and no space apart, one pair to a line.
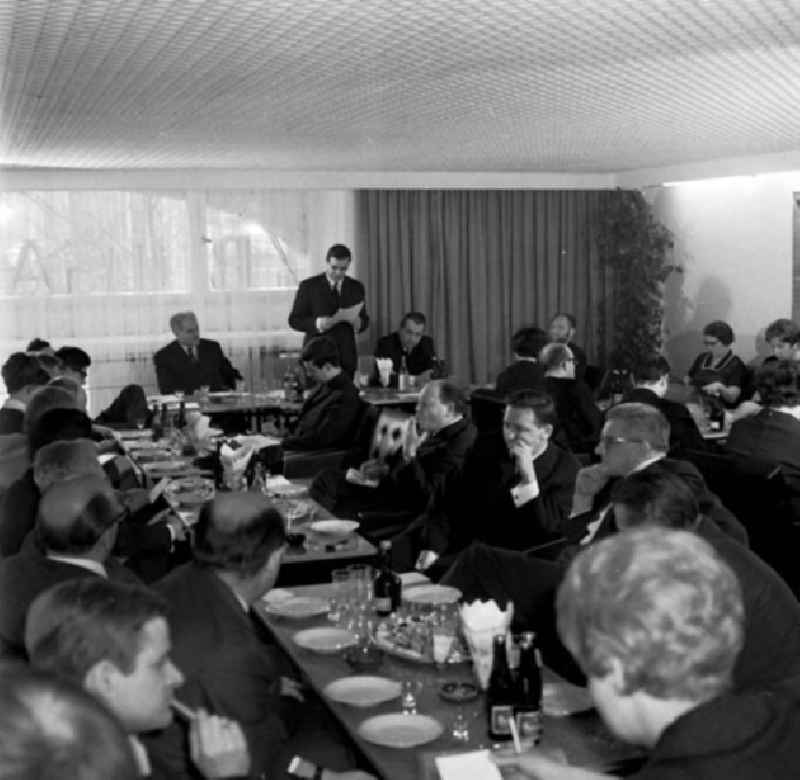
520,375
228,671
27,574
328,417
769,436
175,370
315,298
578,415
683,431
420,359
480,506
580,360
11,420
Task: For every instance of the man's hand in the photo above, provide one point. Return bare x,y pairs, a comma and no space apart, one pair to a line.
291,689
425,560
373,469
523,457
218,747
541,766
589,482
325,323
176,526
713,388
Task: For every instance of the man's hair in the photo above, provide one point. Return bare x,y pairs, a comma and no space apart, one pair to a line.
46,399
338,252
81,530
656,496
21,370
783,330
238,534
74,358
451,395
778,383
416,317
554,355
58,424
650,370
642,422
37,345
61,460
52,730
177,319
529,342
321,350
721,331
660,602
570,318
78,623
538,401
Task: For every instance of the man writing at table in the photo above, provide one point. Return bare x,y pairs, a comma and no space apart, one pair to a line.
189,362
411,343
332,303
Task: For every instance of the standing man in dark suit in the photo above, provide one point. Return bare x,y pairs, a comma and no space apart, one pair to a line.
332,303
410,342
562,331
651,380
189,362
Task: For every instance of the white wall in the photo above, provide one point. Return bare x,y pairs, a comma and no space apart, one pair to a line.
734,238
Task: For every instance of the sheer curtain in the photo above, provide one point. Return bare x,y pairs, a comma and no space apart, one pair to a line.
104,270
480,264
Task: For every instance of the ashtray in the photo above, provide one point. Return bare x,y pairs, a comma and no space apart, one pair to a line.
363,659
458,691
295,539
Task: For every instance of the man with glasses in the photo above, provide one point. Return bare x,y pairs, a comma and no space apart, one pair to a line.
76,532
332,303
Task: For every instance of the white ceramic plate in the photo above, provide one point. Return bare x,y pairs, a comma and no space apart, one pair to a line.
335,528
324,640
400,731
412,578
298,607
281,487
431,594
362,690
561,699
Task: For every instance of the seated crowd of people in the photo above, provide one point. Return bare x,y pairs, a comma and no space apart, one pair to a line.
604,529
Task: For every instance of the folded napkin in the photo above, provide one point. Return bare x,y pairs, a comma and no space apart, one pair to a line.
234,464
481,622
476,765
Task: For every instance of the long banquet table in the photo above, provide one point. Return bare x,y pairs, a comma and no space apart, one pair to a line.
583,738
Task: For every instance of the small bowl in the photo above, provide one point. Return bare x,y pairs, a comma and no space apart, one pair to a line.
363,659
458,691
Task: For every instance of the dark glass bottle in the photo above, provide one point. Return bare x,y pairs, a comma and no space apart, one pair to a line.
155,423
181,421
529,707
388,587
501,695
402,375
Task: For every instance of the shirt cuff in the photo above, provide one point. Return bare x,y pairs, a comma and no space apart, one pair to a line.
317,323
521,494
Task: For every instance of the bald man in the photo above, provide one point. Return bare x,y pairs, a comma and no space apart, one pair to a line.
219,644
77,529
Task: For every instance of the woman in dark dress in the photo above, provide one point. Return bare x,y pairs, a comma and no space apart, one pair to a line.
717,373
579,418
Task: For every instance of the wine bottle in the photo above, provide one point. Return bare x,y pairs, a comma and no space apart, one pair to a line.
156,427
402,375
528,713
388,586
181,423
501,695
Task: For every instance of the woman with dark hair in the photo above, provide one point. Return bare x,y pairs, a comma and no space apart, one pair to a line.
773,434
717,373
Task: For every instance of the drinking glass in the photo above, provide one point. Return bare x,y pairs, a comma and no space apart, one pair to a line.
340,591
460,728
443,638
410,690
361,582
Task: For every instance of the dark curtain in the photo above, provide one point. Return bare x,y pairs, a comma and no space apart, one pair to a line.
480,264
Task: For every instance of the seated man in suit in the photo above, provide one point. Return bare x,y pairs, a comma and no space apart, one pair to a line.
189,362
562,330
329,416
113,641
783,338
514,492
651,382
410,342
50,730
22,375
418,477
525,373
222,648
77,528
75,364
331,303
656,621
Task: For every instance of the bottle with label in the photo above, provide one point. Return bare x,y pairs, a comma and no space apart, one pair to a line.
501,694
388,587
528,712
155,423
402,375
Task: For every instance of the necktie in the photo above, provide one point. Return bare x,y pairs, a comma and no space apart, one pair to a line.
191,353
